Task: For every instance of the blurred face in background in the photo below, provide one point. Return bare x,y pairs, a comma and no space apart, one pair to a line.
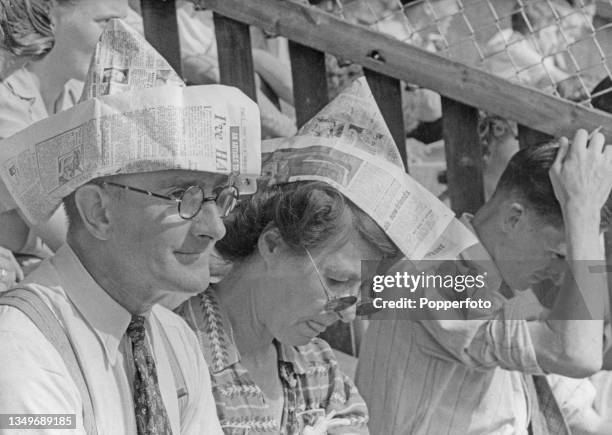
77,26
25,33
430,20
576,22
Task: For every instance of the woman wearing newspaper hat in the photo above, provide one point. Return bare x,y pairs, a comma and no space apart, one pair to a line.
296,250
297,247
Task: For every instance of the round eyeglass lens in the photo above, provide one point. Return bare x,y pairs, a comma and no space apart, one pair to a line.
227,200
191,202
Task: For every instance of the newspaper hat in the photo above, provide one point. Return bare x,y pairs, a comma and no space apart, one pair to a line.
349,146
135,116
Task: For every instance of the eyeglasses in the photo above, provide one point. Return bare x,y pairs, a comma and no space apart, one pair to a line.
190,201
334,303
339,304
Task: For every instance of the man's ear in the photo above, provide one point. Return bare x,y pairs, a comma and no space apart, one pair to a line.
514,215
93,202
271,244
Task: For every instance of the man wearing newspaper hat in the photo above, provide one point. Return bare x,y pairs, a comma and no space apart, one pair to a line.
145,176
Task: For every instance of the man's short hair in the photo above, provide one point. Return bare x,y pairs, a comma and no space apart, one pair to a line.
72,212
527,176
71,209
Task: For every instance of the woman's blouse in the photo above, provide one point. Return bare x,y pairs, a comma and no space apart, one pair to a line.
312,382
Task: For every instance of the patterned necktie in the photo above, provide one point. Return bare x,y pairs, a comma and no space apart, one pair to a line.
151,416
546,416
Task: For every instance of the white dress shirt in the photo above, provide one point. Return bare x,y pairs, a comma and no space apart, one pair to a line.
22,105
34,379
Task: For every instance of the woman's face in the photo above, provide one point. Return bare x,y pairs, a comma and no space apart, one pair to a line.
293,305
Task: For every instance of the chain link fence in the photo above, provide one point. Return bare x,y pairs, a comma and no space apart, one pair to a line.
559,46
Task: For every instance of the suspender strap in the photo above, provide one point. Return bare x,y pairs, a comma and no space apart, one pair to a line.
30,304
177,372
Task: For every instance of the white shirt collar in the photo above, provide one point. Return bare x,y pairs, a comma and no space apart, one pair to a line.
105,316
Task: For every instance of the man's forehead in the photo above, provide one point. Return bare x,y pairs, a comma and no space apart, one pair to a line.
172,177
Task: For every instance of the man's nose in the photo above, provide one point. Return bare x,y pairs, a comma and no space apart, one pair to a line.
208,223
556,271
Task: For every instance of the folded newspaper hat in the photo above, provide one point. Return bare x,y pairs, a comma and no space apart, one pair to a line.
135,116
348,145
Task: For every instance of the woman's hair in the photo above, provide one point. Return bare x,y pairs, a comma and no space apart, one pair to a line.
25,27
307,214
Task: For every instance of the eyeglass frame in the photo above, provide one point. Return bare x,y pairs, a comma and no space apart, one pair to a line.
212,198
335,304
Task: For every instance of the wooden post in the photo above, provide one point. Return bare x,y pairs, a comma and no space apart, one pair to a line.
235,56
463,156
388,95
309,81
161,29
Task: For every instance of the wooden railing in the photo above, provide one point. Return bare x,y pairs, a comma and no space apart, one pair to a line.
386,60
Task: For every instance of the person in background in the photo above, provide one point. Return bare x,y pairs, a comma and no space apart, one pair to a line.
39,89
532,51
25,35
423,24
201,66
499,140
476,372
47,83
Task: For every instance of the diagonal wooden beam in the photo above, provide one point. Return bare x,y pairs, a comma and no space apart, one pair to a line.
317,29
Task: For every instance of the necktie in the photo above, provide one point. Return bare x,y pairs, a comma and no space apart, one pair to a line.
151,416
546,416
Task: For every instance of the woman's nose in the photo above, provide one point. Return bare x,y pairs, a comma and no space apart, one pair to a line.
349,314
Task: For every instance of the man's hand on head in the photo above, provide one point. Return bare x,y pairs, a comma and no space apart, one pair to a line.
582,174
570,340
